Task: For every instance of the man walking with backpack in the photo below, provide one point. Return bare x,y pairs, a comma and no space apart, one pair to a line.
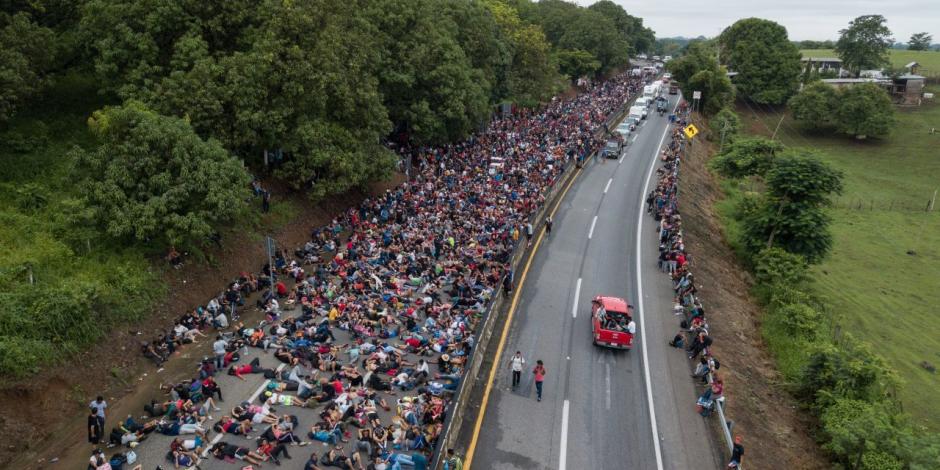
517,363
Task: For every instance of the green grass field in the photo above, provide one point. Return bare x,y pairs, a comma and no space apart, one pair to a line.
875,288
929,60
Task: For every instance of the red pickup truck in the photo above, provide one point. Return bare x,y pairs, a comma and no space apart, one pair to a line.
612,322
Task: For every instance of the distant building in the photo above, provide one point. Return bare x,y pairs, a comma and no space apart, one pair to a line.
823,65
848,82
908,88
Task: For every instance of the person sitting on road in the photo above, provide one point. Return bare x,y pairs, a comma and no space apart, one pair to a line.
222,450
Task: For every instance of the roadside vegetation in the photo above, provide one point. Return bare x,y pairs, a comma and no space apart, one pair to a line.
846,292
135,126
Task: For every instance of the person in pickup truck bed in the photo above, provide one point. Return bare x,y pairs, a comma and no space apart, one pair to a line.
406,275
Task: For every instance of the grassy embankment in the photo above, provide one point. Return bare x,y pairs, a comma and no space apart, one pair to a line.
880,279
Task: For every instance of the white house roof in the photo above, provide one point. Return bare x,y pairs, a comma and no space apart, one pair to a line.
822,59
851,80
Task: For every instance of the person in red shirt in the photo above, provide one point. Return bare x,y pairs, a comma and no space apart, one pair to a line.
272,451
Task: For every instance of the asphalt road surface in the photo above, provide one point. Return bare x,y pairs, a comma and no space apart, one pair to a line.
595,413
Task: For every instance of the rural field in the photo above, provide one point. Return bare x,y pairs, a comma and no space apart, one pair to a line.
929,60
880,278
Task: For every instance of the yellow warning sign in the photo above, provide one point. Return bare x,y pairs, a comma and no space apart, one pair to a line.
690,131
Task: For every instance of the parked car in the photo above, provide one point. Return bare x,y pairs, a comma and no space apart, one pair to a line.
623,129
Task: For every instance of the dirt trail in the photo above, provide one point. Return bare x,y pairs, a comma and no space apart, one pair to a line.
43,418
775,431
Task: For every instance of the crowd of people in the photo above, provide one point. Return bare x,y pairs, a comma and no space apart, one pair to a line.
373,319
693,335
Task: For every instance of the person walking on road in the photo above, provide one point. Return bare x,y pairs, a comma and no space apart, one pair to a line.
218,348
548,225
98,406
737,453
539,372
517,363
94,429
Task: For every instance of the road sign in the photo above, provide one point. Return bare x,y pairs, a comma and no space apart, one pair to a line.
690,130
696,95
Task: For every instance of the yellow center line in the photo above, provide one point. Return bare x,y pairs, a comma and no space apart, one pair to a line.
502,338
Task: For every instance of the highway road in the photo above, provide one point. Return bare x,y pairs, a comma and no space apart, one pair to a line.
596,411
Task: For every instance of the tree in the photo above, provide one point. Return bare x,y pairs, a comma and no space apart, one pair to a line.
577,63
815,107
791,213
849,371
327,158
767,63
856,429
716,88
725,125
699,55
152,178
533,75
26,55
919,41
747,156
864,44
631,28
698,70
864,110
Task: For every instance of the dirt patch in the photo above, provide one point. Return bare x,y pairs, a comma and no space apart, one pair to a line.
43,418
775,431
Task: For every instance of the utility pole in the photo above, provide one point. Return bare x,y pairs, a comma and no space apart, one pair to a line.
724,130
932,201
270,247
782,115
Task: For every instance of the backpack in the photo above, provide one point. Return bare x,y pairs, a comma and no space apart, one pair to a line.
717,364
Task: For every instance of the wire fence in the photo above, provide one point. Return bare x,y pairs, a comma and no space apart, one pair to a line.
889,205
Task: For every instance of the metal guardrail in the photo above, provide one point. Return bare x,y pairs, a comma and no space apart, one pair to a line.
726,424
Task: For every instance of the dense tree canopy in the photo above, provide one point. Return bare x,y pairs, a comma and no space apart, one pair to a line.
26,54
577,63
270,74
864,44
152,178
791,214
865,110
815,106
698,70
639,37
767,63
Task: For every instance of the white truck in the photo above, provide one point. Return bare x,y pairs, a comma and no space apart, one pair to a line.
649,91
658,84
639,110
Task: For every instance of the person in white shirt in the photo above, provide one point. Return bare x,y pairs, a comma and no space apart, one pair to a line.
517,363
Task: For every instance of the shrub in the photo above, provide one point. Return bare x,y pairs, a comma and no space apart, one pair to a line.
799,319
776,266
878,460
853,427
849,370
